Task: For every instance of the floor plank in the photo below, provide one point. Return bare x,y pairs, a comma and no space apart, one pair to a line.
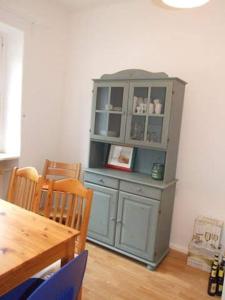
111,276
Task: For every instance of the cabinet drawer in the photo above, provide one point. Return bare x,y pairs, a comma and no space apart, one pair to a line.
139,189
101,180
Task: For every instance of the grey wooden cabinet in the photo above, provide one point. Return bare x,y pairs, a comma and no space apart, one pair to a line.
132,213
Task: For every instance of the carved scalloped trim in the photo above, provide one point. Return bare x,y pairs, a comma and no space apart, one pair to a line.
135,74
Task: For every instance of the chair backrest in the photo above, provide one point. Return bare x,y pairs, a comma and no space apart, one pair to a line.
53,169
68,202
23,187
64,284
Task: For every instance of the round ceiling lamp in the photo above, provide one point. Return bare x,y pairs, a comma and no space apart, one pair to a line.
185,3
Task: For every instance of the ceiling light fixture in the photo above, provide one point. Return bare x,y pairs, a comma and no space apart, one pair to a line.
185,3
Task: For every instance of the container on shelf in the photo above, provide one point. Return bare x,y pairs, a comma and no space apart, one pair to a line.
157,171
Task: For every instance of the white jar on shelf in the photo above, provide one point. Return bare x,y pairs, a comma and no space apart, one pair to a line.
158,108
135,104
151,108
143,107
155,101
139,109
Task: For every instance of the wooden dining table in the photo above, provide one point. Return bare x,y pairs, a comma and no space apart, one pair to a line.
29,243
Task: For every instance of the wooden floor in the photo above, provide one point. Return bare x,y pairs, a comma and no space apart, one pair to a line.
112,276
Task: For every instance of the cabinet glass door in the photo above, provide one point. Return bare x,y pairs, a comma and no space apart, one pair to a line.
110,102
148,113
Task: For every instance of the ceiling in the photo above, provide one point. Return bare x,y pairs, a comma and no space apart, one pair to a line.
82,3
77,4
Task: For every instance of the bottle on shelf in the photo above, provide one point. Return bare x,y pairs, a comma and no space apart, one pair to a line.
220,278
212,286
216,261
223,263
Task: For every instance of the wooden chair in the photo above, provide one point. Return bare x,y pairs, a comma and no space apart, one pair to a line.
54,170
24,187
68,202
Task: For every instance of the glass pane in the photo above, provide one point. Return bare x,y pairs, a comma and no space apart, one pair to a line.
158,97
114,125
140,100
137,128
154,132
101,123
102,98
116,98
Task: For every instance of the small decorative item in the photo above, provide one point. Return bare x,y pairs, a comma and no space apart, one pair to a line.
117,108
120,157
139,110
102,132
143,107
157,171
155,101
158,106
108,107
135,103
151,108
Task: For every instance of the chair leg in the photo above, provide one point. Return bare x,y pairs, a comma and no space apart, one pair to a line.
80,294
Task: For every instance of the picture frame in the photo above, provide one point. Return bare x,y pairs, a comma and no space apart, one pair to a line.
120,158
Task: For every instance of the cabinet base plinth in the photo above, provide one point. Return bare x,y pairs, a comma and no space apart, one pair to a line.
151,268
150,264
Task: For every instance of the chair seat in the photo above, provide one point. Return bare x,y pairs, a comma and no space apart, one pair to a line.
24,290
64,284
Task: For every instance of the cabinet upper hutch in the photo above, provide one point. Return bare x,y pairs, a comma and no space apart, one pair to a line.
132,212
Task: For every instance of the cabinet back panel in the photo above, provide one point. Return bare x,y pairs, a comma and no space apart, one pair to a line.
116,97
98,154
159,93
144,159
102,97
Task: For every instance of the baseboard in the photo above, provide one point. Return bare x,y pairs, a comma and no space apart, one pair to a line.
178,248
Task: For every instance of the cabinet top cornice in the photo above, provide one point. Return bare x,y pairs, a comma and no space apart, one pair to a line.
136,74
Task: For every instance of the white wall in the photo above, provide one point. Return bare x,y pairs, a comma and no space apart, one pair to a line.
45,56
189,44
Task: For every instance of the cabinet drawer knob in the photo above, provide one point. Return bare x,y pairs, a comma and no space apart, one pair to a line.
101,180
139,189
112,219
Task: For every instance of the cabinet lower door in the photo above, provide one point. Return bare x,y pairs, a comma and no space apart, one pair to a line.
136,225
103,214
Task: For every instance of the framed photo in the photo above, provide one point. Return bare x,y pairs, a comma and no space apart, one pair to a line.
120,157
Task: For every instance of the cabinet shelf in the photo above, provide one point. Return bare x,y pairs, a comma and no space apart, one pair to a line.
109,111
131,176
149,115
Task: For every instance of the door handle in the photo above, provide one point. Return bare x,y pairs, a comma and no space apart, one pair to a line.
119,222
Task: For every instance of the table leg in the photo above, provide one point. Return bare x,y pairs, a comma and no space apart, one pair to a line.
70,252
